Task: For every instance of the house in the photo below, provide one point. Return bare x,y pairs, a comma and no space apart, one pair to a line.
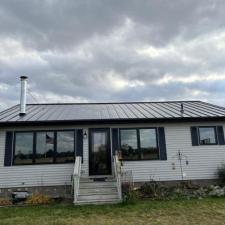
53,147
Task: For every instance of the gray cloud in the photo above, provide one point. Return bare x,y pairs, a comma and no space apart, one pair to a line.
112,50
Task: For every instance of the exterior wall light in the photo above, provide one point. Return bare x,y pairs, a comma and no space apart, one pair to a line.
85,134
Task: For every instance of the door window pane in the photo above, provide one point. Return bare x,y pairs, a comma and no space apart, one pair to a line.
148,144
65,146
23,148
207,135
129,146
44,147
99,153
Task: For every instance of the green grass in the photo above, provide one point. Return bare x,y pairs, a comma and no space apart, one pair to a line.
207,211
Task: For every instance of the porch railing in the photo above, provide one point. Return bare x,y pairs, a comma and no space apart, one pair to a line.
117,171
76,177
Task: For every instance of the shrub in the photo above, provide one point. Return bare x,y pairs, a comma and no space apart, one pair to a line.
221,173
5,201
130,193
155,190
132,196
36,199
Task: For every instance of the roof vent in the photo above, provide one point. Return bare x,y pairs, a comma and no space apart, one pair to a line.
23,93
182,109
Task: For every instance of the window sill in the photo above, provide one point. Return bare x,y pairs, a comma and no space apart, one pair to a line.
131,160
207,144
38,164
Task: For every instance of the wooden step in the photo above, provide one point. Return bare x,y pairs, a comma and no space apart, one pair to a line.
99,202
88,180
97,197
97,184
99,190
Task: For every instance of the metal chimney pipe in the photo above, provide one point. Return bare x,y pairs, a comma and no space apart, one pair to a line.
182,109
23,94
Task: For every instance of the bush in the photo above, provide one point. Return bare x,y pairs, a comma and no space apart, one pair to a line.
157,191
130,194
221,173
36,199
5,202
154,190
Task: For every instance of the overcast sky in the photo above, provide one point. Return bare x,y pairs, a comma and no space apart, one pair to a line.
99,50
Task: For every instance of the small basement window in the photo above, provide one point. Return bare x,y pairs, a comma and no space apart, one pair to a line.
207,136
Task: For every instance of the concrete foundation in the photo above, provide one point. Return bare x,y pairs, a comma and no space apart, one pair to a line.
64,191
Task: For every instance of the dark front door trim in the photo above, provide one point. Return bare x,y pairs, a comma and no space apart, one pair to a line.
108,151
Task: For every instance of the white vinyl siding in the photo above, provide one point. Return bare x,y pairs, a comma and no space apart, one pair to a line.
203,160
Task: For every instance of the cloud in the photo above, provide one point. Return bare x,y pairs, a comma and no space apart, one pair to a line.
88,51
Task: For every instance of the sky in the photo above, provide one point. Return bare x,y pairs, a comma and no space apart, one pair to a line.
107,51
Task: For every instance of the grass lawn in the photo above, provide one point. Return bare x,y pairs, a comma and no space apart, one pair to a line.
207,211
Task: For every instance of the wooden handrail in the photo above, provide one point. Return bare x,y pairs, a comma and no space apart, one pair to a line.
76,177
117,170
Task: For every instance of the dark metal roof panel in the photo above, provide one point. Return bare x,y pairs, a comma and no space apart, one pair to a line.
187,111
112,111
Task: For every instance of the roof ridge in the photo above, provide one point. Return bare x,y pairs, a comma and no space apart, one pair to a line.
104,103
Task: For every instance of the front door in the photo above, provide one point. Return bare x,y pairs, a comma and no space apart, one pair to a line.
99,152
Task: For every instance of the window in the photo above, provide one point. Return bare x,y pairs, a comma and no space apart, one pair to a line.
23,153
148,144
129,146
207,135
65,146
40,147
44,147
139,144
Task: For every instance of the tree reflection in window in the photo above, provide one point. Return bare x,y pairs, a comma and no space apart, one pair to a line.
148,144
129,146
139,144
44,147
207,135
23,148
65,146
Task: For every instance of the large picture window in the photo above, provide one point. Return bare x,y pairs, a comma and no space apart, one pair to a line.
41,147
207,135
139,144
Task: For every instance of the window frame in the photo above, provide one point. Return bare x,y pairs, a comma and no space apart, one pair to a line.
215,133
139,142
34,132
14,148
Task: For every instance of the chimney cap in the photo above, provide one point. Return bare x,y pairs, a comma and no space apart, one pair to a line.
23,77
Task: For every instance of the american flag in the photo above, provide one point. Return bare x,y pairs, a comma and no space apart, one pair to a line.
49,140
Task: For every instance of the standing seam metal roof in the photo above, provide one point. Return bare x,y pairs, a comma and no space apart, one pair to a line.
112,111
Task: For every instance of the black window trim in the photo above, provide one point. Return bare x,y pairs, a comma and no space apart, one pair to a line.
138,141
34,132
215,133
